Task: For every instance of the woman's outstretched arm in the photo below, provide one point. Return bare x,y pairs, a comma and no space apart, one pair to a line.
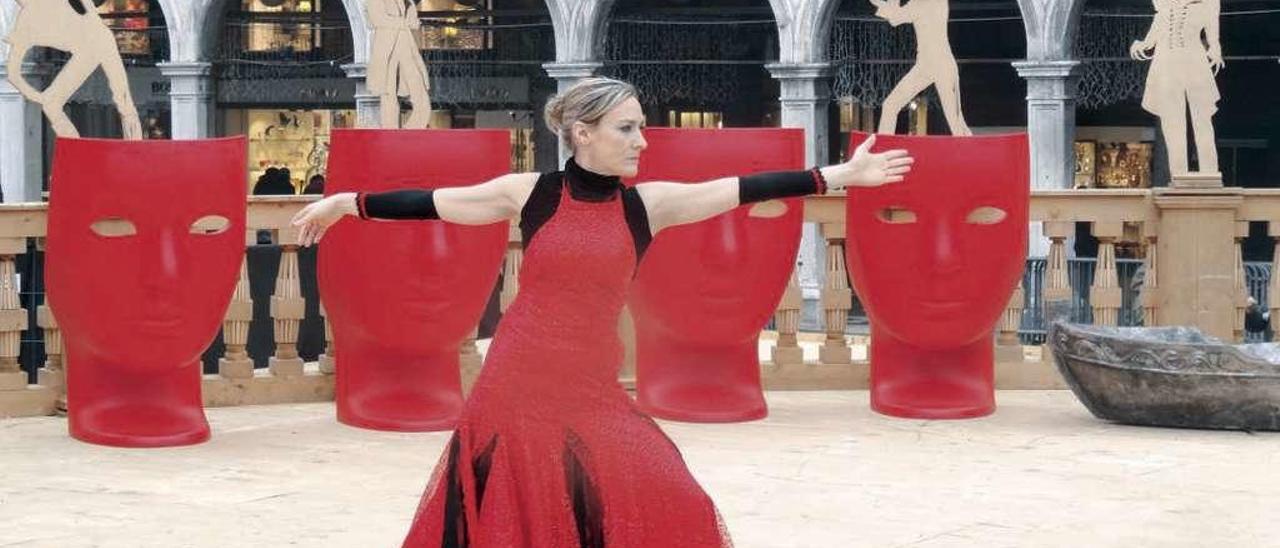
497,200
671,204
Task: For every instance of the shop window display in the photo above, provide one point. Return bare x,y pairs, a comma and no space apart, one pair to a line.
701,120
284,34
1113,164
294,139
439,34
128,20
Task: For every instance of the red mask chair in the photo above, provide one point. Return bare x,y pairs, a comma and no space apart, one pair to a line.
705,290
935,259
145,243
402,295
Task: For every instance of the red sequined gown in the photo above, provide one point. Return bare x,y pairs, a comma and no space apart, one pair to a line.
550,452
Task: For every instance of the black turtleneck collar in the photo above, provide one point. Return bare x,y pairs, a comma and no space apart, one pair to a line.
589,186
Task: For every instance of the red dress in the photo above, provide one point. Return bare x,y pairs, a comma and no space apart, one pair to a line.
550,451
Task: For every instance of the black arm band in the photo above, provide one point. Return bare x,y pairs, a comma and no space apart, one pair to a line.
779,184
397,204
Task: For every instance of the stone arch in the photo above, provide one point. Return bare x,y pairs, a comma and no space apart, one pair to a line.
580,27
804,29
1051,27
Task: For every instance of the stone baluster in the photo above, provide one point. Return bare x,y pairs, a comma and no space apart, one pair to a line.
13,318
787,318
1242,287
1104,294
287,309
1008,345
1012,319
1273,285
1055,299
52,376
1057,283
837,298
235,363
468,355
1149,297
327,363
511,267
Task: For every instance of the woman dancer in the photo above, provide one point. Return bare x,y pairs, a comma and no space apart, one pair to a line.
552,452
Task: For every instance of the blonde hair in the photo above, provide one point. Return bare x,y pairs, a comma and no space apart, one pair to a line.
586,101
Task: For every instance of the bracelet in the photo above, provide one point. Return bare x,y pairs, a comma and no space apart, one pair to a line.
360,207
820,182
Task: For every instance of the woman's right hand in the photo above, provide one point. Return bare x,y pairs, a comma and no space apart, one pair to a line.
318,216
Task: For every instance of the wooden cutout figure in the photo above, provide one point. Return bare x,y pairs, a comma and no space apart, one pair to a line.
395,64
935,63
72,26
1187,57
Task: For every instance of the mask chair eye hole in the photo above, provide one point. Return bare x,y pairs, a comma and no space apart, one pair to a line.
986,215
114,227
210,225
896,215
769,209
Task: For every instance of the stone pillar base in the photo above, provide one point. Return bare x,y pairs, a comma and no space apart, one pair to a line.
53,379
1028,376
1009,353
1197,180
285,367
835,353
235,369
262,389
13,380
788,355
815,376
34,401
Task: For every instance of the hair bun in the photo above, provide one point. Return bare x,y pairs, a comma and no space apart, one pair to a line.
554,114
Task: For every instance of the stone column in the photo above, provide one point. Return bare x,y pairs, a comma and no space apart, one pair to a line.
13,318
566,75
1105,294
191,99
368,110
1197,259
21,155
806,97
1051,124
287,308
235,363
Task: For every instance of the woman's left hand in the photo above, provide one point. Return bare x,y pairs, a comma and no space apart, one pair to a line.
868,168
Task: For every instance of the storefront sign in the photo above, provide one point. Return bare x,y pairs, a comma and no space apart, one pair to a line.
293,92
146,84
480,90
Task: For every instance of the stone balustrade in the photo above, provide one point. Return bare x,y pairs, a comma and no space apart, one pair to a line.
1191,271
